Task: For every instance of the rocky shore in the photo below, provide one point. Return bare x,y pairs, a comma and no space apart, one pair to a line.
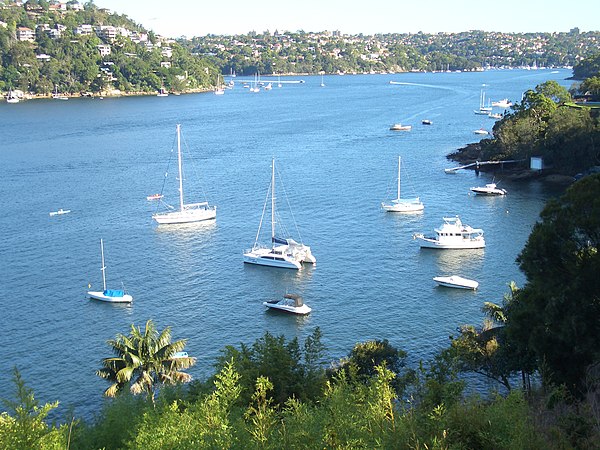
517,170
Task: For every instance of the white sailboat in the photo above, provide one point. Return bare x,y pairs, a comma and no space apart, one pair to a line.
12,97
190,212
322,82
282,252
406,205
109,295
483,110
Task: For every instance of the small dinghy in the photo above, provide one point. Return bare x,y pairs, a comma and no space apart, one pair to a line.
291,303
455,281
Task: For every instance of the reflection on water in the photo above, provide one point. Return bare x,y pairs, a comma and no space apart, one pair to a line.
458,262
204,228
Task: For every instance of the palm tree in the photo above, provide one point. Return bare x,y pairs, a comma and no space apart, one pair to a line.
144,360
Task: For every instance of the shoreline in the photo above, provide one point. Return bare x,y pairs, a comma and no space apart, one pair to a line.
109,94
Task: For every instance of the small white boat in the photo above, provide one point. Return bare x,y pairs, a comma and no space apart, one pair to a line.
291,303
404,205
162,92
400,127
455,281
495,116
489,189
481,131
453,235
12,97
426,122
60,212
154,197
180,355
58,96
109,295
504,103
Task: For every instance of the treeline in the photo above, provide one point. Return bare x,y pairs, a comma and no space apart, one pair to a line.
72,63
548,122
304,52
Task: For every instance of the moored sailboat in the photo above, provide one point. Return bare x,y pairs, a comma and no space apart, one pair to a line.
285,253
188,212
109,295
407,205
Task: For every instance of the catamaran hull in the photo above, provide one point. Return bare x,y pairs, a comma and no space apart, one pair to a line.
185,216
106,298
267,261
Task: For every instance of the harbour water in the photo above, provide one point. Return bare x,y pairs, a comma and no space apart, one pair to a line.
338,159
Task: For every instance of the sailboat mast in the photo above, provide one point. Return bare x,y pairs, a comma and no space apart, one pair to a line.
179,162
273,201
398,177
103,266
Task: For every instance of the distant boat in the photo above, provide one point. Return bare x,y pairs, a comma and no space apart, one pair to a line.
453,235
504,103
60,212
162,92
483,110
109,295
322,82
489,189
190,212
495,116
219,90
400,127
426,122
268,87
57,96
281,252
455,281
405,205
481,131
154,197
290,303
12,97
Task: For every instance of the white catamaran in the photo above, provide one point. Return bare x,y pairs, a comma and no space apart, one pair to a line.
405,205
190,212
282,252
109,295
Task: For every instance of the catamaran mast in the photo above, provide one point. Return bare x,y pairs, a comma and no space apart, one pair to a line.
179,162
273,202
103,266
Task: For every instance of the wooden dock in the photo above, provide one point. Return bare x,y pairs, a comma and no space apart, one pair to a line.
477,164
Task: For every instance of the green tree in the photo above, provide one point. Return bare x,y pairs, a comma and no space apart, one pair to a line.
26,427
143,360
556,313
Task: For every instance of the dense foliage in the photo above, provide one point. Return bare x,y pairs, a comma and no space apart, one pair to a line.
587,68
71,62
314,52
547,123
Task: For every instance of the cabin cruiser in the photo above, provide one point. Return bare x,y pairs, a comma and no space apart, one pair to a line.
453,235
400,127
291,303
489,189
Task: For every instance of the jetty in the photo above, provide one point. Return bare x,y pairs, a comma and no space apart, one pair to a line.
478,164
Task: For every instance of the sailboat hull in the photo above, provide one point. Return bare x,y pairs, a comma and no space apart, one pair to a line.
107,298
401,206
186,216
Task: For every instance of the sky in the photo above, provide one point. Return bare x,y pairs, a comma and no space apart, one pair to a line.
190,18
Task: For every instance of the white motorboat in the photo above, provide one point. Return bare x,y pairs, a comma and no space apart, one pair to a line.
426,122
454,281
489,189
285,253
481,131
188,212
154,197
495,116
504,103
60,212
400,127
405,205
12,97
109,295
291,303
453,235
162,92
